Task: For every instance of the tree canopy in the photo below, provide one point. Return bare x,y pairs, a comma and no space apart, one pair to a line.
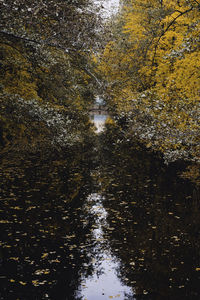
151,68
46,69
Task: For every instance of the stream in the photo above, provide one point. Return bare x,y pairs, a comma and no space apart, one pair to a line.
103,221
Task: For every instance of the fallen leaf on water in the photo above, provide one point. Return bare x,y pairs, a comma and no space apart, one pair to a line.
35,282
14,258
43,271
44,255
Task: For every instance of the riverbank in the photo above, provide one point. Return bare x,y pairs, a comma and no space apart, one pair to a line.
172,141
126,128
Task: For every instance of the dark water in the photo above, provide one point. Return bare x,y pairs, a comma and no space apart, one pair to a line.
102,221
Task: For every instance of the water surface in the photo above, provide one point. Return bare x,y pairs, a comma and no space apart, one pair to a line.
99,121
106,220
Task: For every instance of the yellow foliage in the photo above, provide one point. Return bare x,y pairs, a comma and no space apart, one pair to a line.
17,78
157,50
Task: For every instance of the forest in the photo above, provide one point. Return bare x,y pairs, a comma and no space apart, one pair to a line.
99,203
57,56
46,78
151,69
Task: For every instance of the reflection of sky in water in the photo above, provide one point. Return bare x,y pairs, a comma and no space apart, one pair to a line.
99,121
104,282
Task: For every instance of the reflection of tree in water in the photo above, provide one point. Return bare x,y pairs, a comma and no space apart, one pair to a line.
154,223
44,230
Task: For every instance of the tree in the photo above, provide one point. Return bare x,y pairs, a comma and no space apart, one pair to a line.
45,57
152,70
70,25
